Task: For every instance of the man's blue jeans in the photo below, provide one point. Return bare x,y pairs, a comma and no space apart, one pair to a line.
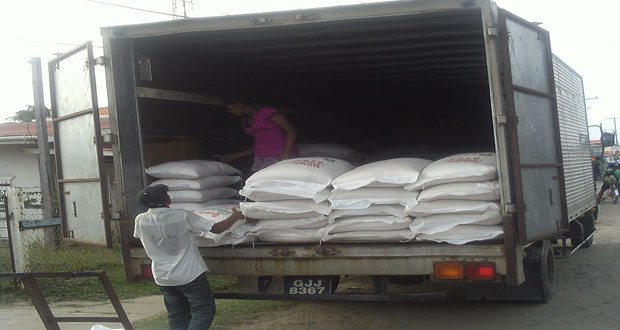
190,306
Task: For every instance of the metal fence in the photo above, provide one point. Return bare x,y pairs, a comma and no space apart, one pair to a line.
40,248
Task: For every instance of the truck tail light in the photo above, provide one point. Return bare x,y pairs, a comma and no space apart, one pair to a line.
146,270
480,271
448,271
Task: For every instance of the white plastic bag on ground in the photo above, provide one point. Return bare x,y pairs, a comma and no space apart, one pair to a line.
462,234
190,169
395,210
366,223
479,191
451,206
261,196
202,205
284,209
437,223
329,150
199,184
457,168
402,235
303,223
303,177
364,197
197,196
386,173
289,235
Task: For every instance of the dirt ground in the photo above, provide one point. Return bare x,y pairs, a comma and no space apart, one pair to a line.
586,296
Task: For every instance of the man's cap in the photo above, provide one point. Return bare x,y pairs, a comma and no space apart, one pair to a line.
153,195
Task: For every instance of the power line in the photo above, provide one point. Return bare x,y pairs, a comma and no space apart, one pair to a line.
134,8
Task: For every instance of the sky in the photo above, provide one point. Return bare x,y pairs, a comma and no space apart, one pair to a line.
583,33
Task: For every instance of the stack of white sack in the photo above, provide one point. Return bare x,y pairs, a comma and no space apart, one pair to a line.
197,184
236,234
289,198
458,201
368,203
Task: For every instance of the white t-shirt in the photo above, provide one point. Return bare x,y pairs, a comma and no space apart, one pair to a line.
166,235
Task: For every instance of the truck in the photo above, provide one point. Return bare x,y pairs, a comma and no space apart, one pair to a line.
434,76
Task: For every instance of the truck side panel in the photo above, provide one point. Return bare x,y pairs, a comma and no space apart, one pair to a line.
580,191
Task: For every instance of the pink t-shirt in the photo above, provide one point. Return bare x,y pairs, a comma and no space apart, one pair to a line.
269,138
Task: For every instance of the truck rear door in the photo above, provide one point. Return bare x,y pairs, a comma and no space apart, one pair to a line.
78,147
534,131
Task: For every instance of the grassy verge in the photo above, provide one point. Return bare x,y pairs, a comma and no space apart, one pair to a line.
227,316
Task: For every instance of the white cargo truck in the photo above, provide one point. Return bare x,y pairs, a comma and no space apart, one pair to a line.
390,79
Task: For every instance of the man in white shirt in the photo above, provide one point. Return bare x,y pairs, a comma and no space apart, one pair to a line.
177,266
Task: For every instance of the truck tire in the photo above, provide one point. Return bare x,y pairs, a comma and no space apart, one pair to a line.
547,270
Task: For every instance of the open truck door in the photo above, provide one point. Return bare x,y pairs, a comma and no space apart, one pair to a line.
78,145
534,134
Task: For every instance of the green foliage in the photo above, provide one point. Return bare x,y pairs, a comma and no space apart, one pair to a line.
226,317
24,116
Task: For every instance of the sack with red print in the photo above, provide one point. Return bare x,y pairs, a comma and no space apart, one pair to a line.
471,167
304,177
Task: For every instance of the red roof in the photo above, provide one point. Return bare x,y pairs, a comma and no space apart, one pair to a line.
30,129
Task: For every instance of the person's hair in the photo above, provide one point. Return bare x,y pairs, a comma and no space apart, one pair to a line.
234,99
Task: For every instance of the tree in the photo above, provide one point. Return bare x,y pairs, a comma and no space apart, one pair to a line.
24,116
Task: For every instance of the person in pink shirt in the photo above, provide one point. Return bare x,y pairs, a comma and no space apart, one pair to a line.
274,136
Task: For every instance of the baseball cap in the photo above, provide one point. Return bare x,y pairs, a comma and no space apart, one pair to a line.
153,196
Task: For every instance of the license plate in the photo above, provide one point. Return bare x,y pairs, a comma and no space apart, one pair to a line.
307,285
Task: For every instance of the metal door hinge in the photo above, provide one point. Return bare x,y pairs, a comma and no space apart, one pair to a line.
510,208
102,60
492,31
501,119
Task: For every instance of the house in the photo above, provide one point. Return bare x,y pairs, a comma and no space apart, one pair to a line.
19,164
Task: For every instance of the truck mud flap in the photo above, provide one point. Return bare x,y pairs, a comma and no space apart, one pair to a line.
433,296
530,290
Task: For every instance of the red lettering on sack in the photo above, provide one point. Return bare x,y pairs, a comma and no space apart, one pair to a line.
465,160
309,162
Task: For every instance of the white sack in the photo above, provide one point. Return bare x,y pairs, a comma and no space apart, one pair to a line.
303,223
386,173
330,150
364,197
232,235
366,223
199,184
401,235
197,196
284,209
395,210
451,206
457,168
303,177
479,191
289,235
202,205
462,234
437,223
190,169
262,196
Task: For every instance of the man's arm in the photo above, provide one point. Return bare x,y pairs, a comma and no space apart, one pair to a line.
225,224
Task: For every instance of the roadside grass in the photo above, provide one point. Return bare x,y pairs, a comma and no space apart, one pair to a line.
227,314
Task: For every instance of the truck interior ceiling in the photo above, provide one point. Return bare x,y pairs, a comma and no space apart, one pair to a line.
414,86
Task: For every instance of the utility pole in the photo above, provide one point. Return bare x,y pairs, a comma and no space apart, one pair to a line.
615,130
46,176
